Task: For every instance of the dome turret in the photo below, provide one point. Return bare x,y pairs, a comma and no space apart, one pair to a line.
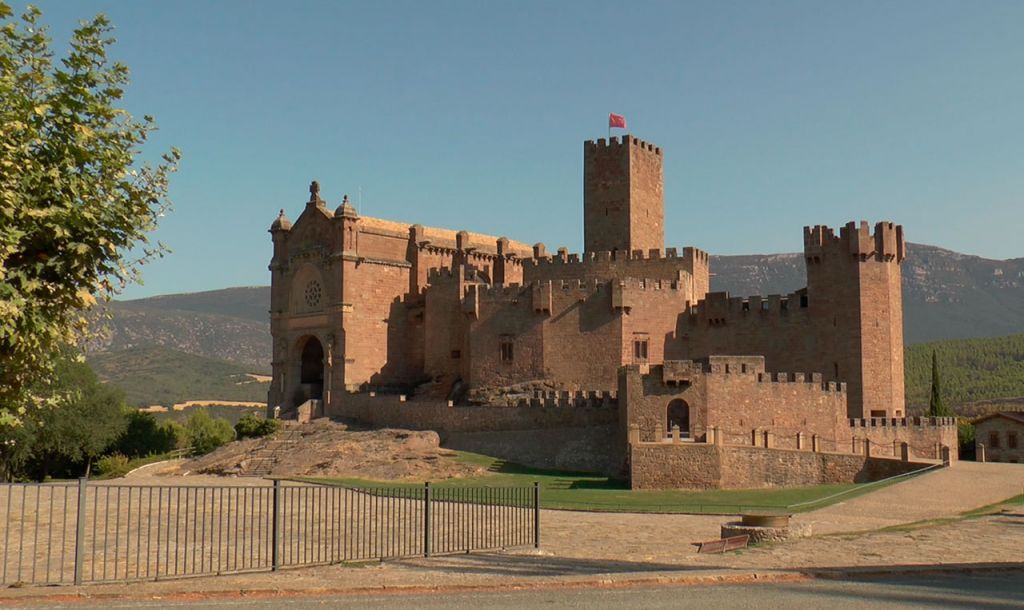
281,223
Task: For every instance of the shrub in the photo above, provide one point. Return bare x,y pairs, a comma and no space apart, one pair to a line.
145,436
251,426
176,434
206,433
113,465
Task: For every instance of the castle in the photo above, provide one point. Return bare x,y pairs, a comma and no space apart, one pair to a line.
410,326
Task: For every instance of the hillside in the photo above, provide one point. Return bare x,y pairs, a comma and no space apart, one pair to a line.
972,372
230,324
160,376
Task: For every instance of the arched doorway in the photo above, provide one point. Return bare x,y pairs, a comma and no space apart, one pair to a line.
679,415
311,374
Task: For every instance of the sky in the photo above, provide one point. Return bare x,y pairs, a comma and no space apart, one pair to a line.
471,115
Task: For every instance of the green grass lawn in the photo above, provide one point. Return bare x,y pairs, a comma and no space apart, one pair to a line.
581,491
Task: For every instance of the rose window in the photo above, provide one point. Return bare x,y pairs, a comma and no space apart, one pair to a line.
313,294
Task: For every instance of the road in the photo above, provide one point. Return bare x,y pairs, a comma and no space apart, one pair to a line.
1002,590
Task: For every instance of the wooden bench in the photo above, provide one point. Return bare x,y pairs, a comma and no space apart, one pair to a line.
722,545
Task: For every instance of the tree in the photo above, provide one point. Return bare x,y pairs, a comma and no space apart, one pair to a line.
145,436
90,417
937,408
206,433
76,203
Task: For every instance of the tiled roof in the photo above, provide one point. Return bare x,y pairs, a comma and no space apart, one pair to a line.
1017,416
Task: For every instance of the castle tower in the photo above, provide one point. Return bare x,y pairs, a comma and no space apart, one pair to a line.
855,299
623,196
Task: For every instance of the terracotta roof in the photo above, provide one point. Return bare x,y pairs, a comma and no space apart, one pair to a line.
1017,416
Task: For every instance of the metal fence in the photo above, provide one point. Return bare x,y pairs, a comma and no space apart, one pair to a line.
77,532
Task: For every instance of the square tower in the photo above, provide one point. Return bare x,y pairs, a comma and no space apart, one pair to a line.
623,195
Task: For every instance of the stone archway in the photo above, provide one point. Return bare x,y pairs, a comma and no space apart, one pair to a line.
678,414
311,371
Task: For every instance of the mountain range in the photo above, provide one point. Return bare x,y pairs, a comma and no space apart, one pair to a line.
946,295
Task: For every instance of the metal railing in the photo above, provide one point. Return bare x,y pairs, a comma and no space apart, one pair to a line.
64,533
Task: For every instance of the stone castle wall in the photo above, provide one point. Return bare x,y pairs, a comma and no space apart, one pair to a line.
925,436
704,466
734,395
394,411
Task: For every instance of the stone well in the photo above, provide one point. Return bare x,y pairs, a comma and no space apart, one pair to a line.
765,528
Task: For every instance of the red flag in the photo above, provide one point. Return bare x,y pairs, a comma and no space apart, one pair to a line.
616,120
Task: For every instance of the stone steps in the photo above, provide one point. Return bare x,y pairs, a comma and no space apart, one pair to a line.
265,455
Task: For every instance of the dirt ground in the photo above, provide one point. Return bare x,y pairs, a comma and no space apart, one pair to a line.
330,449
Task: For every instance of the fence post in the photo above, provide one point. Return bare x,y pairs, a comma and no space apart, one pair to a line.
80,530
536,515
275,527
426,519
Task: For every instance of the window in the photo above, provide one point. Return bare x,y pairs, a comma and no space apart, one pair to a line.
506,349
1011,440
313,293
993,440
640,350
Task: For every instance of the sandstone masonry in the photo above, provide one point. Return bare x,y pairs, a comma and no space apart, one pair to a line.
363,305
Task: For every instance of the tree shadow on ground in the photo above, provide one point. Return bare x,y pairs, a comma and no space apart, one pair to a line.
499,564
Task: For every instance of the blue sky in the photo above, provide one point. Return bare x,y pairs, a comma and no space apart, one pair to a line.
471,115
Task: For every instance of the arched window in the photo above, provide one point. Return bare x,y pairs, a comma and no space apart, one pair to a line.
679,415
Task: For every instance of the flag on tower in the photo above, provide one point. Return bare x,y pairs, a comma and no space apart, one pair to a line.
616,120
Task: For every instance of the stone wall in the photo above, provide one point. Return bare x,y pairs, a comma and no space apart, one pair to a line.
591,449
923,435
733,395
703,466
393,411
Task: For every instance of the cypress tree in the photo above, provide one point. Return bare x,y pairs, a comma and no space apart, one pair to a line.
937,408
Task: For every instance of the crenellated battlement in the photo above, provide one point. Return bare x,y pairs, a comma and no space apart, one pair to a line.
545,399
885,243
541,257
674,372
805,378
578,398
442,275
668,264
645,284
720,306
614,143
904,422
586,285
496,292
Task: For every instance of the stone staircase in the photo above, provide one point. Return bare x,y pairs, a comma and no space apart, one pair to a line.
266,453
